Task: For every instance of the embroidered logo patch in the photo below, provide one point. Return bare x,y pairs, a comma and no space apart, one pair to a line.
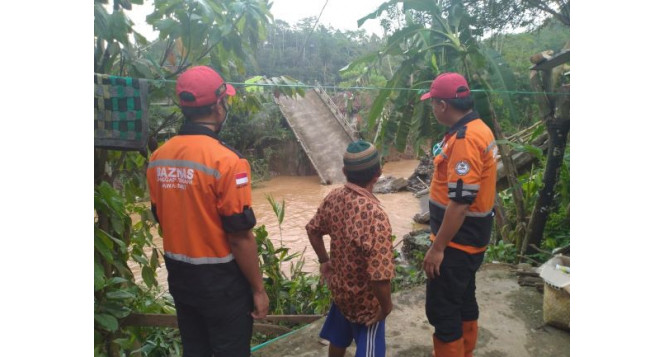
437,149
241,179
462,167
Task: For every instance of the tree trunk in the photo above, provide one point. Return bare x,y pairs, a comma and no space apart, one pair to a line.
510,172
500,221
557,125
100,166
508,163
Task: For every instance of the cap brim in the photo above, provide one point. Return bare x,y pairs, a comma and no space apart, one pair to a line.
230,90
425,96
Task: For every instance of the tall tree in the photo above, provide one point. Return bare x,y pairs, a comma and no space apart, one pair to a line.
555,109
310,54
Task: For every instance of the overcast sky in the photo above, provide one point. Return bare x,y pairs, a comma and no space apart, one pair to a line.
340,14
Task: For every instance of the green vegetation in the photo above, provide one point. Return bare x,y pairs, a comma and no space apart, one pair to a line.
442,36
255,135
408,273
297,293
501,252
516,49
117,242
557,229
312,55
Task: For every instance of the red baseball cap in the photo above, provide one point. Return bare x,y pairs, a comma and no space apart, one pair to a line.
201,85
448,86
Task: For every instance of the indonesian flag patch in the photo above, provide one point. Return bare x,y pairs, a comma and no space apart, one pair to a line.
241,179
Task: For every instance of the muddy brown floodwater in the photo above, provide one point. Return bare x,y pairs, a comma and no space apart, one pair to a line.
302,195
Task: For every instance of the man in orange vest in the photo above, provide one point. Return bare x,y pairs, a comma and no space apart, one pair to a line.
462,193
201,196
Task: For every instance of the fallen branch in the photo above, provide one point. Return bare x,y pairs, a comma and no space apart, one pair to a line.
536,282
422,193
563,250
527,273
540,250
529,280
529,259
424,183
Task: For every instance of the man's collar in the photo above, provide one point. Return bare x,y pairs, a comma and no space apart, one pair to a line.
191,128
362,191
463,121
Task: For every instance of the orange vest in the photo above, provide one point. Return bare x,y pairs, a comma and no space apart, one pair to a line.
465,171
201,190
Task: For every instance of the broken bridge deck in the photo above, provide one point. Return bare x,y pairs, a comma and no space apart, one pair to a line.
321,131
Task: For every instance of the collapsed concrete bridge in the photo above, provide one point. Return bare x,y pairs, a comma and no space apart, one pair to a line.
321,130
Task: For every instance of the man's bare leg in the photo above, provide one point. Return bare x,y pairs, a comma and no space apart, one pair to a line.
335,351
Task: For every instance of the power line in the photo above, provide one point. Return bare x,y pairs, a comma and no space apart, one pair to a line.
337,88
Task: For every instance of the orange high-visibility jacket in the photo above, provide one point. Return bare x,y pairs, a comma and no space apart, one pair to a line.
200,191
465,171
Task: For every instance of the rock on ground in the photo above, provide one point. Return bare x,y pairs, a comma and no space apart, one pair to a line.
390,184
510,324
421,177
422,218
416,242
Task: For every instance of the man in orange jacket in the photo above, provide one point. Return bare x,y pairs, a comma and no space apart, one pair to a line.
201,196
462,193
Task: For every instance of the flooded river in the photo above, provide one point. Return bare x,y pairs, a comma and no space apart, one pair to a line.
302,195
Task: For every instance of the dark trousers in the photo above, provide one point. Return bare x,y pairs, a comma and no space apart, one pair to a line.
213,306
450,297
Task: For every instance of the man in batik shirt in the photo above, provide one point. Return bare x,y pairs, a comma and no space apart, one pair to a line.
360,266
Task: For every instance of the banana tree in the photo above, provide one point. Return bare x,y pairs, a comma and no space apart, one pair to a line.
437,37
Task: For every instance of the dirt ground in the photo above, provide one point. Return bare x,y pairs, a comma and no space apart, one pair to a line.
510,324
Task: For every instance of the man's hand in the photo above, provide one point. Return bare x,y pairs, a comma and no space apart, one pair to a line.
261,305
381,289
326,271
380,316
243,247
432,261
455,214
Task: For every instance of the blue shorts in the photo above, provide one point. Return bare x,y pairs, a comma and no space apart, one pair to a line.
340,332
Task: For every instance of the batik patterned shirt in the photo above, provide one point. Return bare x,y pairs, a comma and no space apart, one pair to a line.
360,248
